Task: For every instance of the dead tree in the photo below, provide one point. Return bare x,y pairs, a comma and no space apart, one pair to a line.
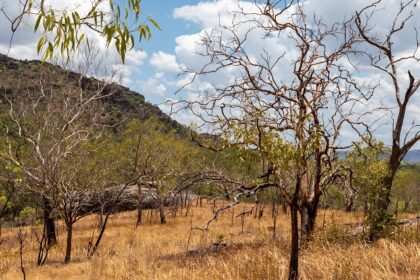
384,56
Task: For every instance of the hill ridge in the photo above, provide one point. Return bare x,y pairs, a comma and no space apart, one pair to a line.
124,105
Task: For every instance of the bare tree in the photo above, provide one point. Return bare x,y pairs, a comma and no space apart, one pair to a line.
54,119
293,117
383,55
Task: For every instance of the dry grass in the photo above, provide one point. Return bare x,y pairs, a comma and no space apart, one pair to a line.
155,251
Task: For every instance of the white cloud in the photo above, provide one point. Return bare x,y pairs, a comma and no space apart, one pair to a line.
154,85
208,14
164,62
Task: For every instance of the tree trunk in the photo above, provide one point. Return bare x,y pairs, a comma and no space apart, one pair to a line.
274,217
284,207
396,207
69,226
139,216
294,250
349,204
384,200
380,216
49,225
261,212
406,205
139,207
162,214
93,247
308,214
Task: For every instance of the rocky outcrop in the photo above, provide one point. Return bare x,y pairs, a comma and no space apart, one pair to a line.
121,198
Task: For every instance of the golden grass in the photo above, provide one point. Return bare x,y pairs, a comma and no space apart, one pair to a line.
154,251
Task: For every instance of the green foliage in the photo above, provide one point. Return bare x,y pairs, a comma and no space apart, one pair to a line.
159,152
270,144
120,24
28,215
406,189
369,166
381,224
333,197
3,201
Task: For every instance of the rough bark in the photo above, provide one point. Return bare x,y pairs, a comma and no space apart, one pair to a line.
49,223
139,216
69,227
162,214
139,207
308,213
350,204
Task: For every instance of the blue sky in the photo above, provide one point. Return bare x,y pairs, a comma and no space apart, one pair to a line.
171,28
163,40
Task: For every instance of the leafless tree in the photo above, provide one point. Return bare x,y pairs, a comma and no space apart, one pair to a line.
54,119
292,116
381,49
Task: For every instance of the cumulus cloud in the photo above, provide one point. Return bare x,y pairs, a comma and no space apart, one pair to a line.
164,62
208,14
154,85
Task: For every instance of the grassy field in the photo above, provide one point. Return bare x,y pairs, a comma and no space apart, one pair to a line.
154,251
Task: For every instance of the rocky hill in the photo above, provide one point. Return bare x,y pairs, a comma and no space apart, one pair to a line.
122,106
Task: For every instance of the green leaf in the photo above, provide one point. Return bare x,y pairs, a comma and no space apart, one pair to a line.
38,20
40,44
81,38
154,23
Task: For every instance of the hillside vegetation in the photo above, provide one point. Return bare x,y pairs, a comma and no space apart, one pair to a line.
123,105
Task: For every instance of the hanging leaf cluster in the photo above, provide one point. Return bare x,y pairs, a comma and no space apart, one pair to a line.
121,25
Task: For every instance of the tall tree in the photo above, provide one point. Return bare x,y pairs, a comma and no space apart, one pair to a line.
382,52
292,117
